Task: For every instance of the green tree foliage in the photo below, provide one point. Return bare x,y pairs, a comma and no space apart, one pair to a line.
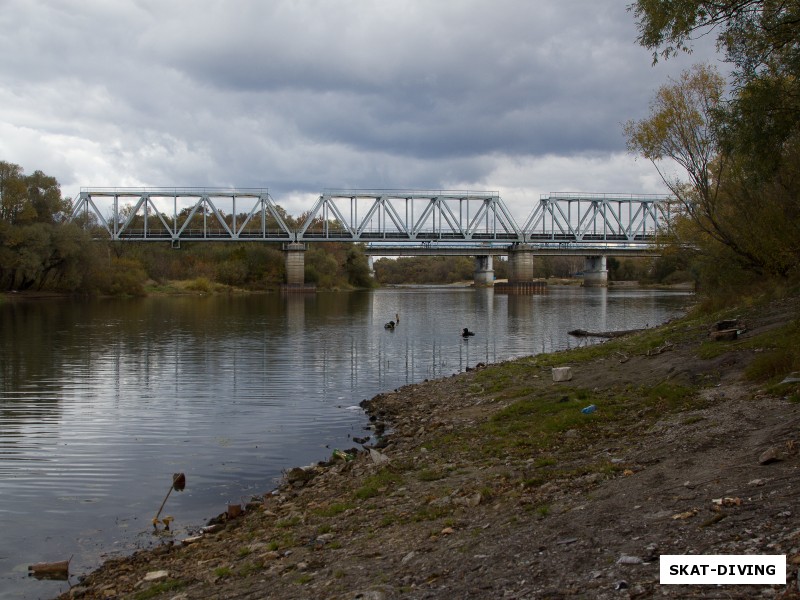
357,268
761,41
752,217
37,251
425,269
740,152
675,265
12,193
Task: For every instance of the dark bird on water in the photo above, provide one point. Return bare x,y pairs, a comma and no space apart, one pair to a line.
467,332
389,325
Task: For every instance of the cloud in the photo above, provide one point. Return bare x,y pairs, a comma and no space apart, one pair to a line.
301,95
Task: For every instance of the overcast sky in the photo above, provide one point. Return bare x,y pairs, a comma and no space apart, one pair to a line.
523,97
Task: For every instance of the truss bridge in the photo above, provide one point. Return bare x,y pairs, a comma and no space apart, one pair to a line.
389,222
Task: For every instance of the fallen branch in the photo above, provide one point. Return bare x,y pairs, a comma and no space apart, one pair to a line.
604,334
623,358
662,348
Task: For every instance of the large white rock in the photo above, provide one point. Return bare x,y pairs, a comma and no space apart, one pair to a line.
562,373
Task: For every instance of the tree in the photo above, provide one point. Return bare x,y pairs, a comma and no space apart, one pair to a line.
680,128
761,40
755,34
357,267
13,193
740,153
44,196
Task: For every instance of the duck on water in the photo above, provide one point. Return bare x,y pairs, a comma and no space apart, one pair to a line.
467,333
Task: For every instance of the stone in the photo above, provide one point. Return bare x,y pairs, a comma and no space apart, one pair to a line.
793,377
299,475
562,373
377,457
725,335
474,500
191,540
156,575
769,456
369,595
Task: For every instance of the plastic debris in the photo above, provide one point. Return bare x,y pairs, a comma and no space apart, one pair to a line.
342,455
727,501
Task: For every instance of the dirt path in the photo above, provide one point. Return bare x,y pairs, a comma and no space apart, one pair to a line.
494,484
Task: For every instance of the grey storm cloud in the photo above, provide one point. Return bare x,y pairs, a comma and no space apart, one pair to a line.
297,94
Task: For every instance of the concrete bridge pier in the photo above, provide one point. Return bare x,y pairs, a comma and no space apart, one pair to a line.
484,271
520,264
295,264
595,273
520,273
371,264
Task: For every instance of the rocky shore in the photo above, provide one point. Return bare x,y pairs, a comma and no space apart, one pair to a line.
503,483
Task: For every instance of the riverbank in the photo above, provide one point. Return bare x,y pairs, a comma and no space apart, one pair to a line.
494,482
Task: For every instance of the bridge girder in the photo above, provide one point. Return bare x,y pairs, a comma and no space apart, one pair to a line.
540,249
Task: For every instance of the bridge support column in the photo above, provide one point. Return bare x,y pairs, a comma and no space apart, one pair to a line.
295,264
371,264
595,273
484,271
520,273
520,264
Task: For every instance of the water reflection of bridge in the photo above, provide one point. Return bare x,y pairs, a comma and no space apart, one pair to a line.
390,223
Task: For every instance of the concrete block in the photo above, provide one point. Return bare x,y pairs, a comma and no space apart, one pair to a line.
562,373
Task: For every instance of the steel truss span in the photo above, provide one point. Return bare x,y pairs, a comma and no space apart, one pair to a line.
175,214
589,218
377,217
409,216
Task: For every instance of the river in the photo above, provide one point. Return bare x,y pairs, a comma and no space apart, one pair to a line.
102,401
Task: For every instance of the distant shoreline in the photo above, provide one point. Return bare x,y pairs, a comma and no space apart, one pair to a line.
184,288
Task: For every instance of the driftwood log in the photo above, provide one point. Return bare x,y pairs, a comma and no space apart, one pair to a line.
54,570
604,334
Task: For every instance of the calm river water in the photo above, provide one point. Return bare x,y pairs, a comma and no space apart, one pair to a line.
102,401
